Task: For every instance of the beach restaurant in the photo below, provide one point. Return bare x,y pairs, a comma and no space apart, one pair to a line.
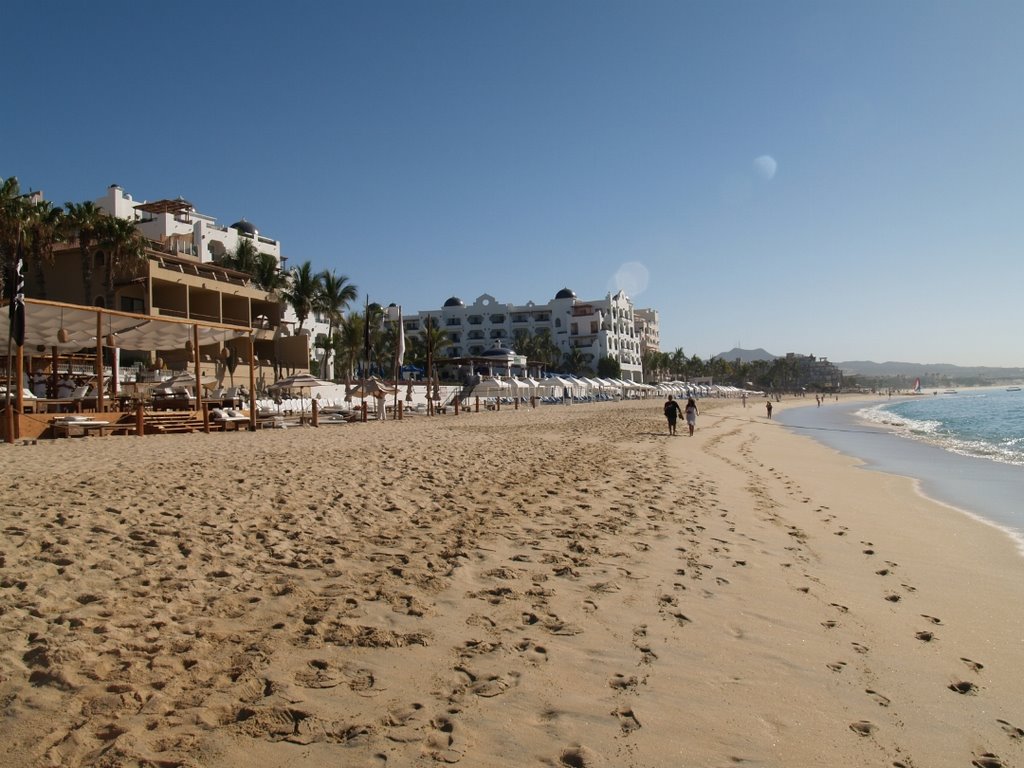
69,337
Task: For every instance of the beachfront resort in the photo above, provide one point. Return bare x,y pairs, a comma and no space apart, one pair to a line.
155,304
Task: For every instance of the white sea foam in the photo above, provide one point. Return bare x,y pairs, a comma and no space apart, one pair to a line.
945,434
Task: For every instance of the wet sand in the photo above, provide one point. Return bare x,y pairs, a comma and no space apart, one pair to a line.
560,587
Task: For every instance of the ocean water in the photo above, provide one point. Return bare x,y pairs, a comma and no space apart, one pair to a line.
987,423
965,450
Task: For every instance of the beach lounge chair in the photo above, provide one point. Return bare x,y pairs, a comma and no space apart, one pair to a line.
228,418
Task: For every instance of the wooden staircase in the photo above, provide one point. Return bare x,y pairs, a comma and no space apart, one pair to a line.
171,422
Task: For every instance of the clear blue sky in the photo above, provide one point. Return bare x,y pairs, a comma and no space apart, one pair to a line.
844,179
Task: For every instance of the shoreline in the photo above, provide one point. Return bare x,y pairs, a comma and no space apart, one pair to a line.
569,585
985,491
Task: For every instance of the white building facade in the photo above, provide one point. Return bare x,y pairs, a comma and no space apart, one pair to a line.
648,329
598,328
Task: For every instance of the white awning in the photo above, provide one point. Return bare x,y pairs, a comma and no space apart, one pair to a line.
43,321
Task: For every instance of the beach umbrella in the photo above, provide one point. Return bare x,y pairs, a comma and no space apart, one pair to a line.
372,387
300,382
189,380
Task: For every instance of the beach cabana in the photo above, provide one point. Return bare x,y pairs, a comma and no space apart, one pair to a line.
491,387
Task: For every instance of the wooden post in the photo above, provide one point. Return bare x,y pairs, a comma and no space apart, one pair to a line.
8,419
99,363
199,386
400,409
478,404
363,409
19,372
206,417
140,419
455,400
252,383
315,411
517,402
54,376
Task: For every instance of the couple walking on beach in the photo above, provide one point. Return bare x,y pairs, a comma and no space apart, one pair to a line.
672,411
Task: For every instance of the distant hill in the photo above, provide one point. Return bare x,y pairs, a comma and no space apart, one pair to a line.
893,368
745,355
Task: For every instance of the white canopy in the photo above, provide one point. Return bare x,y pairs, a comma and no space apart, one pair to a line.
44,319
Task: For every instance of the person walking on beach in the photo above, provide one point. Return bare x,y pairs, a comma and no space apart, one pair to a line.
691,414
672,412
768,407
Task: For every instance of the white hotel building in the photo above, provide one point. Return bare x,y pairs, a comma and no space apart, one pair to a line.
599,328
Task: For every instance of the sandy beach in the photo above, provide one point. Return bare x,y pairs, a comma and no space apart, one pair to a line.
566,586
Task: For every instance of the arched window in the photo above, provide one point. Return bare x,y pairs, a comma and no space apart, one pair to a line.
99,259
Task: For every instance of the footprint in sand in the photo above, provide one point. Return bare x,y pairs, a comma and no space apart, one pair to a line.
579,757
830,624
973,665
932,619
623,683
882,701
860,648
987,760
863,727
963,687
925,636
1011,730
627,720
537,652
836,666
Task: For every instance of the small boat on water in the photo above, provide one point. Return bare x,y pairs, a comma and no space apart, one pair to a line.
1013,389
949,391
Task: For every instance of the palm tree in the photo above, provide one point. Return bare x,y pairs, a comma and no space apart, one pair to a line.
43,228
677,363
430,341
336,293
84,221
125,248
576,361
545,351
303,289
17,216
378,344
348,344
267,274
244,259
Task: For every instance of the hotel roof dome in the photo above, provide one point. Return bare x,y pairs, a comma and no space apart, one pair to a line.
454,301
497,351
245,227
565,293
